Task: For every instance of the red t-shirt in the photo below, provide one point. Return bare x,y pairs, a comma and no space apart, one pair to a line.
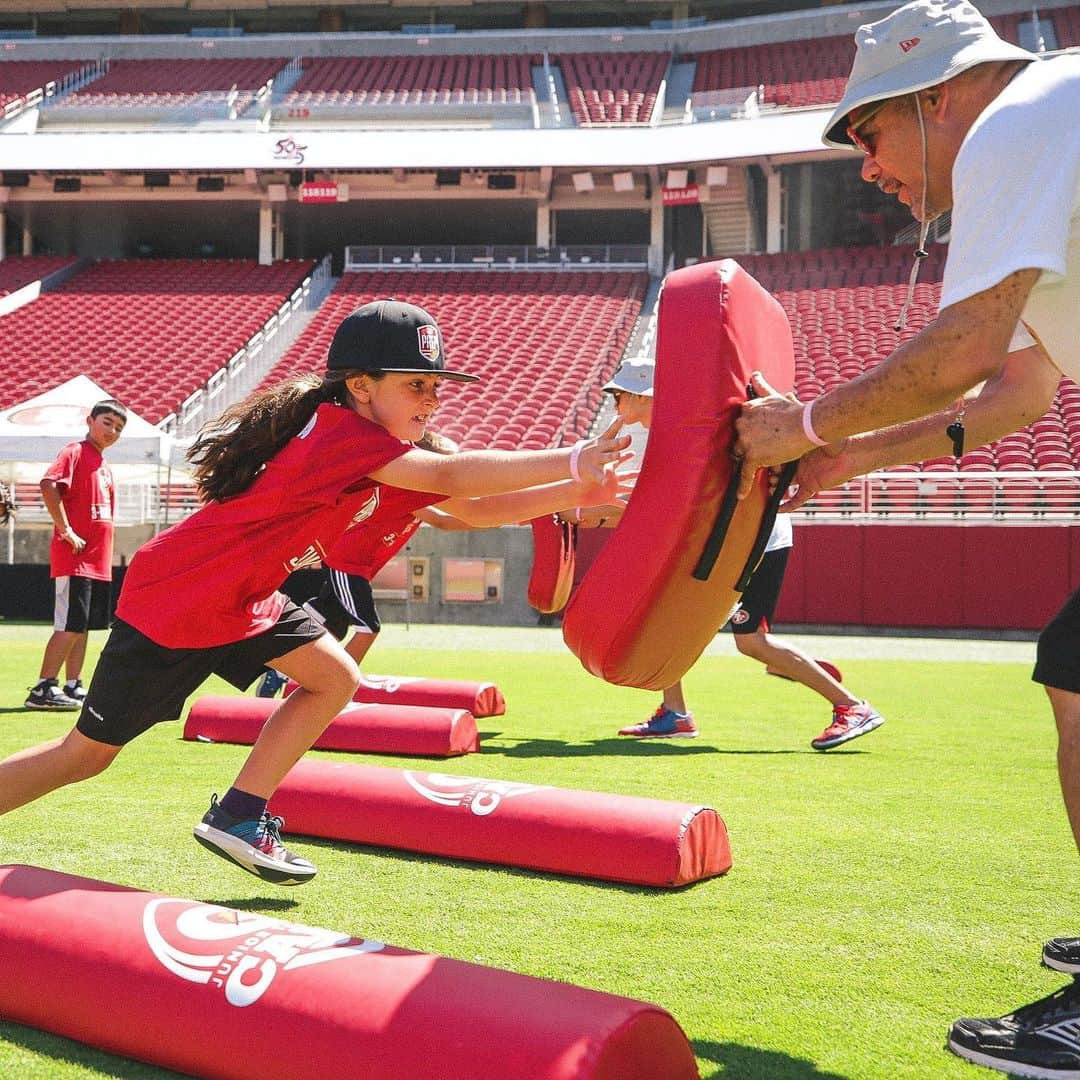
213,578
368,545
86,489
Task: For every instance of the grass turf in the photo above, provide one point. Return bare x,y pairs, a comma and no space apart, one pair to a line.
879,891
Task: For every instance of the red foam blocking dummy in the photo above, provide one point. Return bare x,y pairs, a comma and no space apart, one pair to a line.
584,833
552,576
366,729
479,698
233,995
640,617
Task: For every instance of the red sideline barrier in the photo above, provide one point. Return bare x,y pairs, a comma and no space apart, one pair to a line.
190,986
614,837
639,617
552,577
365,729
479,698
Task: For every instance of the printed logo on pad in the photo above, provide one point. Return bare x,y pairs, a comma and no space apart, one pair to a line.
236,952
388,684
481,797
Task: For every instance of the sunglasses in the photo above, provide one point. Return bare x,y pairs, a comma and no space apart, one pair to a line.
858,140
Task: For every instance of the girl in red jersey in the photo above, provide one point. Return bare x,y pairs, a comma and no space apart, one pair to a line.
282,474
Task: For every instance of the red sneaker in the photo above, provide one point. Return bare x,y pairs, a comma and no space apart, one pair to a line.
663,724
848,722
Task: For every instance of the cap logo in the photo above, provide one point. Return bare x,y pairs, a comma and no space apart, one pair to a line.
909,43
427,338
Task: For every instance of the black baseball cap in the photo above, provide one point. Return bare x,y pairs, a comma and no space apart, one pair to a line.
390,335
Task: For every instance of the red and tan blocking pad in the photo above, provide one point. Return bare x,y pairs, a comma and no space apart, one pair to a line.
552,577
640,617
584,833
188,986
479,698
364,729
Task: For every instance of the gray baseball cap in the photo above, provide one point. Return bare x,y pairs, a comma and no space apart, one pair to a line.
920,44
634,376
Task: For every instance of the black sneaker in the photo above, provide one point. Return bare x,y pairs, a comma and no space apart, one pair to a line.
1040,1040
48,697
255,846
1062,954
75,690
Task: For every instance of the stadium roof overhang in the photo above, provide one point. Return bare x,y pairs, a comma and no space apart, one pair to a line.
787,135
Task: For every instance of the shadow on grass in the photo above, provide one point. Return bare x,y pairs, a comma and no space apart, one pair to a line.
739,1062
401,855
262,904
69,1052
530,748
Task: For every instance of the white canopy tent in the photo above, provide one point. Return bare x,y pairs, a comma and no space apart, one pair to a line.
33,432
38,429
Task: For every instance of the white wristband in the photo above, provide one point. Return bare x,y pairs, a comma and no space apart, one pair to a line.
577,514
574,455
808,426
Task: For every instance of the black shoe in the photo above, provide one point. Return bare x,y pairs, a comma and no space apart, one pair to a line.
1062,954
1040,1040
48,697
75,690
255,846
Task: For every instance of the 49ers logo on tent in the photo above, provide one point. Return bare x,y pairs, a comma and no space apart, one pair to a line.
236,952
481,797
428,342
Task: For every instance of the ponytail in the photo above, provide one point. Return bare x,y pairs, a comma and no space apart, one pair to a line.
230,452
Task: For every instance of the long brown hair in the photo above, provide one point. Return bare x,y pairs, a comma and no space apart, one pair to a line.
231,451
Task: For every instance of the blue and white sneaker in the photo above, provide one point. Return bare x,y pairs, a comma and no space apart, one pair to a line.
255,846
665,723
270,684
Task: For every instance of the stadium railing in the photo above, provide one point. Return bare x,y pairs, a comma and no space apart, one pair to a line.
497,256
247,367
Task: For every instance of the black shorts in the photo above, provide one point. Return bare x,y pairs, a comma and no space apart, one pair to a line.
353,596
82,604
1057,659
758,604
138,683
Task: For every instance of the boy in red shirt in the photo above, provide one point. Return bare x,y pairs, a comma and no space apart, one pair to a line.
79,494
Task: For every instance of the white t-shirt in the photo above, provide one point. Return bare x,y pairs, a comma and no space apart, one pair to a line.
781,535
1016,204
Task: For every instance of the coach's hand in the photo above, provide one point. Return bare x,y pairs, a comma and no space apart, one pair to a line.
768,432
821,469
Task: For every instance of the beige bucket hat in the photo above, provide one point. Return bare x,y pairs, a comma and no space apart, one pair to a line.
918,45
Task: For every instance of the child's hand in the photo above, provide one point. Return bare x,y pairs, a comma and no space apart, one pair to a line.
70,536
613,491
589,458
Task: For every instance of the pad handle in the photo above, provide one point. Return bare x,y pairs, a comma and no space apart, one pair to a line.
768,520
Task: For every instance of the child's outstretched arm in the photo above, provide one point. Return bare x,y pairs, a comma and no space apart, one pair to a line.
493,472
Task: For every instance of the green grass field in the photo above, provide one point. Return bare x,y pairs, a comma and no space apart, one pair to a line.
878,892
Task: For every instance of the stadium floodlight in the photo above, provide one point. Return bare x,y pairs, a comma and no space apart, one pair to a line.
677,178
583,181
622,181
716,176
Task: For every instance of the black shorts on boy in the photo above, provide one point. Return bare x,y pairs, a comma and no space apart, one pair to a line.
1057,659
758,603
138,683
346,600
82,604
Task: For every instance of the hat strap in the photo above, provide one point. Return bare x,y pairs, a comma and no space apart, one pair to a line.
924,230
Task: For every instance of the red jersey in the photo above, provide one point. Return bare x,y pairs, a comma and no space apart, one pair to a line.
367,546
86,489
213,578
